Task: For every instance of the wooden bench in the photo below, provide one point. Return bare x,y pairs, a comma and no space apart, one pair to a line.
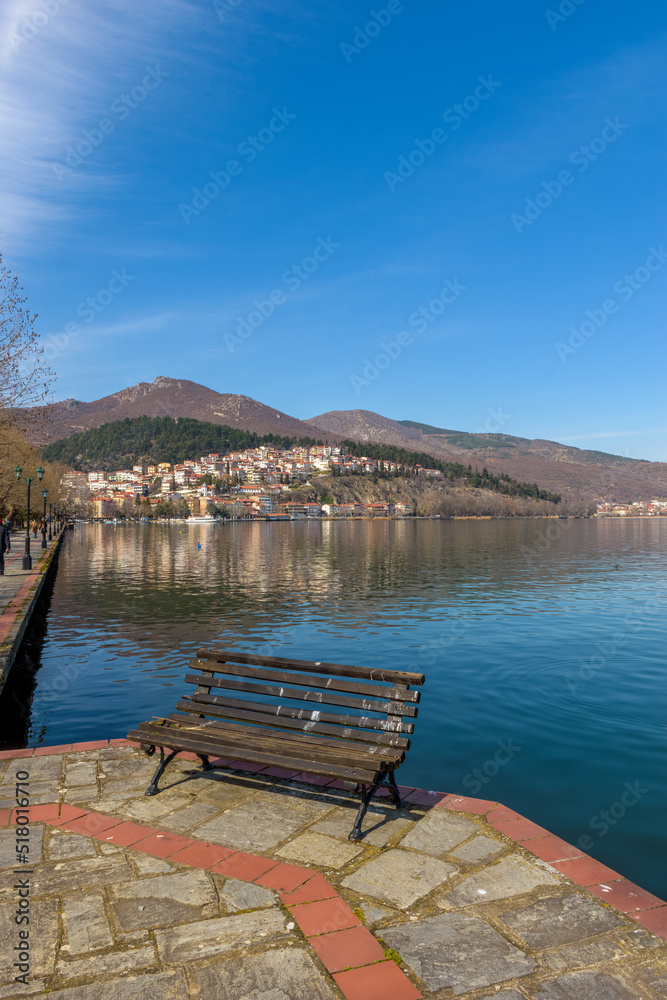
362,739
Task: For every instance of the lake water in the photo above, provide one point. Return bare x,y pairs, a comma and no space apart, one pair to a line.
542,643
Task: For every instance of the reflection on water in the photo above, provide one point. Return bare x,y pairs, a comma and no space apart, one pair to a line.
545,636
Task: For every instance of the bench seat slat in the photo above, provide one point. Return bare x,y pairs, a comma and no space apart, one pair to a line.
297,726
307,666
299,743
318,697
369,757
329,683
296,736
158,736
274,713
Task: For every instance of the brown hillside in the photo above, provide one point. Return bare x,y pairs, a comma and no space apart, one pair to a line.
169,397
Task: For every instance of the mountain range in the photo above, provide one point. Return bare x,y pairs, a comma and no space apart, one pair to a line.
572,472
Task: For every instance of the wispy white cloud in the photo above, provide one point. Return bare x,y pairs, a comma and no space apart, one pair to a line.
59,72
611,434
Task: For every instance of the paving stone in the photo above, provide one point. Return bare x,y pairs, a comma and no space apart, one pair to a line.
64,876
581,955
43,929
506,995
106,848
86,923
39,769
116,770
438,832
512,877
399,878
373,914
64,845
161,986
316,849
38,796
190,816
81,793
110,807
80,773
147,865
8,841
116,961
586,986
123,790
478,849
223,792
560,920
34,986
284,974
239,896
379,826
147,810
166,899
459,952
207,938
259,825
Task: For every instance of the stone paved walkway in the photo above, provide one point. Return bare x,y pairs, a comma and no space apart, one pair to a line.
18,592
240,885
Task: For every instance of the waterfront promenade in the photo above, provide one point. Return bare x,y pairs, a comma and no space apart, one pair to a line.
19,592
241,883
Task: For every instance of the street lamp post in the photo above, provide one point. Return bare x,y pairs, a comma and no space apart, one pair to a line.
58,518
50,521
45,494
27,558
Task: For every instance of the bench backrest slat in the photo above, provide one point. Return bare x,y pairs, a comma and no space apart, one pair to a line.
394,708
280,716
315,667
330,683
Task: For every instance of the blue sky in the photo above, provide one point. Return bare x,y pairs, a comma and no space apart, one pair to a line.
270,203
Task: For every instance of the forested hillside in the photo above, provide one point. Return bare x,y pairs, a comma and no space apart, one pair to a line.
128,442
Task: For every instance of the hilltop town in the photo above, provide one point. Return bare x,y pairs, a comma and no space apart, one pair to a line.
257,482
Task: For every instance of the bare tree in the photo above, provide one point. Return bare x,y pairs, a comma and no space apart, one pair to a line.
25,376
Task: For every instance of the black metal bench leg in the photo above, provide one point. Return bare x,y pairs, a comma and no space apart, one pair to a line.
366,798
395,794
153,787
205,762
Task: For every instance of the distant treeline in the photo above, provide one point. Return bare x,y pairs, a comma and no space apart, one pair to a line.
453,471
132,441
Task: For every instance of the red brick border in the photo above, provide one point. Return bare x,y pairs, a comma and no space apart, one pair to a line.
331,928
